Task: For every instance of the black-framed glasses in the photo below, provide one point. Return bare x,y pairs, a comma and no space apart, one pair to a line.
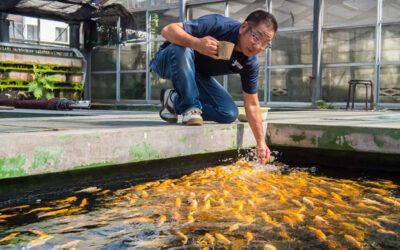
265,45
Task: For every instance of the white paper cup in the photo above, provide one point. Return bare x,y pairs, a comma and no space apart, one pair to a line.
225,50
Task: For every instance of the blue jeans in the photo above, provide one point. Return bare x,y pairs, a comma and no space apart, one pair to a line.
195,90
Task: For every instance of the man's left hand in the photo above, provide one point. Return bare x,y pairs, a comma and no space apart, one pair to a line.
263,152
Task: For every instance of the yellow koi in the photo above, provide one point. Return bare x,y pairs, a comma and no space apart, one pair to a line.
222,239
383,231
145,194
207,204
269,247
68,245
162,219
320,235
234,227
193,205
266,217
361,220
296,202
353,242
10,236
39,209
140,187
190,219
52,213
40,233
221,202
184,237
308,202
138,220
337,197
104,192
372,222
210,238
249,237
178,202
331,214
14,208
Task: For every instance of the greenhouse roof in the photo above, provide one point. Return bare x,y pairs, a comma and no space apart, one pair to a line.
69,10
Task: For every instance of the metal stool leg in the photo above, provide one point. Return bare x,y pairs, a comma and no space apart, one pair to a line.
372,96
354,94
348,97
366,97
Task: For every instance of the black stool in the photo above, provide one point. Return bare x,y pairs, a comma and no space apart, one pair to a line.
353,83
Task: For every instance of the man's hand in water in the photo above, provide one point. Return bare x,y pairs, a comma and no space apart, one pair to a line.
263,152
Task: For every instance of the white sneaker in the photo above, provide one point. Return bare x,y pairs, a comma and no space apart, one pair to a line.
167,111
192,117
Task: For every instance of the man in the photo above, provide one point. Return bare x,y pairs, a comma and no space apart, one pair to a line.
189,59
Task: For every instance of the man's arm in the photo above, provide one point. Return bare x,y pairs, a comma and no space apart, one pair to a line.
253,114
176,34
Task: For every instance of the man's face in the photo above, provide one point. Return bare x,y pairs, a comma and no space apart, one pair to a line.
254,39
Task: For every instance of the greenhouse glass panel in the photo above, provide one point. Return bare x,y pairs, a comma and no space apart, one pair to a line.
235,86
135,4
335,82
133,86
157,84
197,11
349,11
239,10
390,9
104,58
138,33
133,57
160,19
103,86
391,43
292,48
296,13
389,84
349,45
291,85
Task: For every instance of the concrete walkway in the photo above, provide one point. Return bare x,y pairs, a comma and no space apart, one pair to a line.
83,139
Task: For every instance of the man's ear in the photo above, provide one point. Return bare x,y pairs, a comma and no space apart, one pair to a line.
243,27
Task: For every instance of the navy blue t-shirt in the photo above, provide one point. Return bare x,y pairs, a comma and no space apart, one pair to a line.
223,29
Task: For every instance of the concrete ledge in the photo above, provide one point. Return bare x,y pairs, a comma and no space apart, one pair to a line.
43,145
373,132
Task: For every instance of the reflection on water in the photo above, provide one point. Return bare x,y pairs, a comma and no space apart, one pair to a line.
235,206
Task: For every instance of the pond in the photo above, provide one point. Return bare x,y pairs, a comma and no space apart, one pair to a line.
235,206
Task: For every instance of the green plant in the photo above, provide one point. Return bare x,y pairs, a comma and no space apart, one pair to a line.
321,104
42,85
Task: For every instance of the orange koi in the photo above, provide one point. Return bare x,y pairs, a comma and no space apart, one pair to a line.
249,237
39,209
222,239
83,203
7,216
288,221
162,219
234,227
138,220
14,208
184,237
320,235
10,236
210,238
269,247
353,242
52,213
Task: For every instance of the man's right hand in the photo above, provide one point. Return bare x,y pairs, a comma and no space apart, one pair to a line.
207,46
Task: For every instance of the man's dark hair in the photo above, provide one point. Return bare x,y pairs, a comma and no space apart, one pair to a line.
261,16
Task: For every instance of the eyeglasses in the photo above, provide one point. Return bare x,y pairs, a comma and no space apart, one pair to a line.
265,45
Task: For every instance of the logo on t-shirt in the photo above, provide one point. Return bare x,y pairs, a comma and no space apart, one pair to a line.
237,64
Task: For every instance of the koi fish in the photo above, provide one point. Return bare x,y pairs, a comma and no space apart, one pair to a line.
68,245
190,219
14,208
249,237
222,239
207,204
104,192
10,236
308,202
39,209
178,202
184,237
210,238
89,190
7,216
269,247
83,203
353,242
320,235
288,221
52,213
138,220
234,227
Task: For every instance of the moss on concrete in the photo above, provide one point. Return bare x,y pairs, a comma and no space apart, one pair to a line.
12,167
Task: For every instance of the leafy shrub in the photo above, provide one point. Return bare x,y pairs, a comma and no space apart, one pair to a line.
42,86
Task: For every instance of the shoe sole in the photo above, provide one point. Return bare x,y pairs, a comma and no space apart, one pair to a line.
169,120
194,121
